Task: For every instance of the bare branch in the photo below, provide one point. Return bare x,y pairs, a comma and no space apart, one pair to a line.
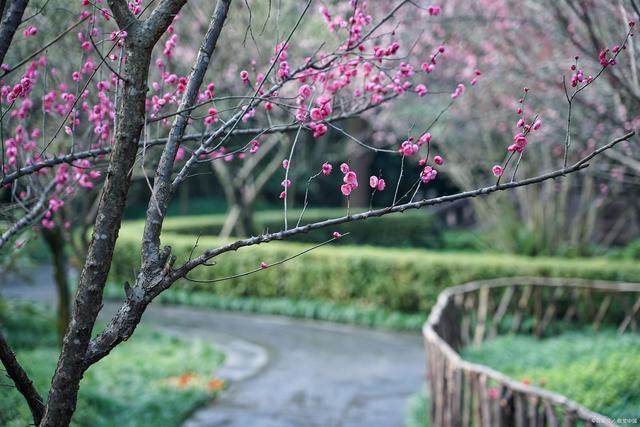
162,189
258,269
161,17
21,380
207,255
31,216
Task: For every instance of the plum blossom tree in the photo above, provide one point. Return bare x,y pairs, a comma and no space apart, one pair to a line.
128,98
528,47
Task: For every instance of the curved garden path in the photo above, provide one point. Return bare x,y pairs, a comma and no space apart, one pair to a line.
286,372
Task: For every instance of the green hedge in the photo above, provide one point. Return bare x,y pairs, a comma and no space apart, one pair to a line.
411,229
407,280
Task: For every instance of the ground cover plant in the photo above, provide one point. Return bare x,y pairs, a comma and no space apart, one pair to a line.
127,390
598,370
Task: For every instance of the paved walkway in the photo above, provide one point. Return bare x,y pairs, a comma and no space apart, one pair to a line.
287,372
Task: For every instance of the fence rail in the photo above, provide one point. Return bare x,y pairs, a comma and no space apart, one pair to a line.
469,394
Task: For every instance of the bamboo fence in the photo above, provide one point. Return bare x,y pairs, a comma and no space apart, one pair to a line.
469,394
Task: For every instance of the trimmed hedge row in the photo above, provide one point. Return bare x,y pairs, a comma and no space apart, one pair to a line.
350,314
407,280
411,229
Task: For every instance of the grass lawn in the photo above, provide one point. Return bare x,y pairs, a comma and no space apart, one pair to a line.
598,370
151,380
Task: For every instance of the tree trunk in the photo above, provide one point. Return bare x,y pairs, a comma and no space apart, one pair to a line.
246,219
55,242
239,220
66,380
10,24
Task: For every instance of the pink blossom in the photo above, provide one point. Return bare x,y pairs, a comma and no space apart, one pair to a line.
537,124
421,90
212,116
336,235
459,90
304,92
244,76
428,174
211,90
316,114
351,178
438,160
344,168
424,139
373,181
434,10
519,142
286,183
319,129
497,170
426,67
285,164
248,115
47,223
381,185
264,265
346,189
255,146
408,148
30,31
326,168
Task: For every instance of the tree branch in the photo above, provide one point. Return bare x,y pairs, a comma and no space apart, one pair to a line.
207,255
161,17
123,16
124,322
630,162
162,189
21,380
26,220
10,24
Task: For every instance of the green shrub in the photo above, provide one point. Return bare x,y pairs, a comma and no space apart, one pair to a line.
405,280
410,229
632,250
